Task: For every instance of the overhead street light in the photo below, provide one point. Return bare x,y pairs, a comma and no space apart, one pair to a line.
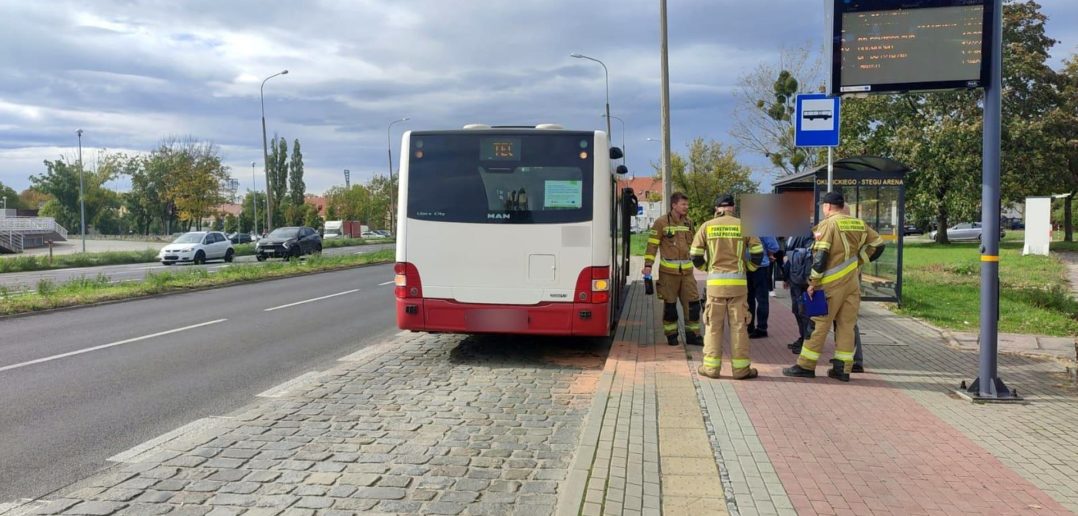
265,150
624,155
392,183
606,75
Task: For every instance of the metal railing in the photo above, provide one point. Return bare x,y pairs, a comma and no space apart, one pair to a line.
11,241
27,224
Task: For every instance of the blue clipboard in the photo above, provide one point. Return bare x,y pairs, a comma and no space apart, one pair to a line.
816,305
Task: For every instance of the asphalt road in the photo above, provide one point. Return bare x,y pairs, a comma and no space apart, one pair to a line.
27,281
79,386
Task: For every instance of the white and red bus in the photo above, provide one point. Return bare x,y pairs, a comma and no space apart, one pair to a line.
513,230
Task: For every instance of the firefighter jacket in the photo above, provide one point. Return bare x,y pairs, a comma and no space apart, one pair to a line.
719,249
848,243
672,238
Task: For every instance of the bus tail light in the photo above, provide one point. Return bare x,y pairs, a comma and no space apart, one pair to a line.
408,284
593,285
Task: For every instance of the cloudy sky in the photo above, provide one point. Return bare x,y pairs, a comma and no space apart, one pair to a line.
131,73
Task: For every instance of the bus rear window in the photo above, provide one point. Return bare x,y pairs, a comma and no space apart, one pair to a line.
513,179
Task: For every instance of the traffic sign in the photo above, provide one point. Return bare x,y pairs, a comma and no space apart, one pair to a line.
817,121
639,210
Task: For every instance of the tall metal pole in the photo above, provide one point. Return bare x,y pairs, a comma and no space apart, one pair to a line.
392,184
82,197
624,153
830,170
988,386
664,107
265,152
606,77
254,198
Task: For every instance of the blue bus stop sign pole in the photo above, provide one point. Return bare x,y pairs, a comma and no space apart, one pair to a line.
988,386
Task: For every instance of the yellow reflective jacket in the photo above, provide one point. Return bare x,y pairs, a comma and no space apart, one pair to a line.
848,242
672,238
722,245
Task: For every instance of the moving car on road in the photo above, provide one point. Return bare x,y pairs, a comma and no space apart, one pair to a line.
197,247
240,238
288,243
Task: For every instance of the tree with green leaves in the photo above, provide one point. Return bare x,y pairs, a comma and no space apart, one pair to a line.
61,181
1062,125
247,212
10,198
296,189
764,116
278,168
189,175
709,170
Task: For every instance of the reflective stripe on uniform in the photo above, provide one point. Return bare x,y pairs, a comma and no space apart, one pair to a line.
809,354
713,362
722,279
649,257
839,271
696,251
678,265
693,327
653,241
821,246
741,363
756,249
670,327
845,356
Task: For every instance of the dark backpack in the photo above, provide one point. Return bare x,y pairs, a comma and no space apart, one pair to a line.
799,266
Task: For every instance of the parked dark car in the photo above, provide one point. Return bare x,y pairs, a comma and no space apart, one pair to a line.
288,243
910,229
240,238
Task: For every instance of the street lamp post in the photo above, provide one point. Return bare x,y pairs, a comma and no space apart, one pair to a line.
254,198
265,150
606,76
392,184
82,200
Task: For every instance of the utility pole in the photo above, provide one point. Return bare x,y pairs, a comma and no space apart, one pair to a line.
664,107
254,198
82,196
265,151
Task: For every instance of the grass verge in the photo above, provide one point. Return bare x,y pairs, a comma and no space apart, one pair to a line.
70,261
638,243
941,284
87,290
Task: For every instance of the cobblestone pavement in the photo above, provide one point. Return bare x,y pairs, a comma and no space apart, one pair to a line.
423,424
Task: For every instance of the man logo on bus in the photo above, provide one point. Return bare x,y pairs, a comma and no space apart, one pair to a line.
499,216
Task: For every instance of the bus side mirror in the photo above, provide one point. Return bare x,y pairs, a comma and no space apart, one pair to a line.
615,153
622,170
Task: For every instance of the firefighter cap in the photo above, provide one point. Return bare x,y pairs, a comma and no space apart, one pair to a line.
833,198
724,200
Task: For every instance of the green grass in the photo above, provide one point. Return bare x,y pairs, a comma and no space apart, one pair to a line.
941,284
638,243
88,290
69,261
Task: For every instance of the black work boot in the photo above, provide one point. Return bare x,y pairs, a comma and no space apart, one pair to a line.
672,340
858,368
796,345
837,371
797,371
693,339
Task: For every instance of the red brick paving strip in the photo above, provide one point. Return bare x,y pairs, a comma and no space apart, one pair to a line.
868,448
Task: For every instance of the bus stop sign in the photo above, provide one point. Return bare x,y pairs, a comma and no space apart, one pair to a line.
817,121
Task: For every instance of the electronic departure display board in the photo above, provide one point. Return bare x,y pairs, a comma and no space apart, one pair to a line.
910,45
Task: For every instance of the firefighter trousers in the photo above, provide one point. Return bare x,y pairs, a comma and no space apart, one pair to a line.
672,288
843,303
721,311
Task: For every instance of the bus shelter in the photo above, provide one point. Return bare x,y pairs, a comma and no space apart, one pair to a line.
875,191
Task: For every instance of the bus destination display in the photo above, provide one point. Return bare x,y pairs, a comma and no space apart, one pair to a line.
499,149
910,49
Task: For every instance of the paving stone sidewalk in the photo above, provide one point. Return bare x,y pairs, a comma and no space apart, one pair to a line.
424,424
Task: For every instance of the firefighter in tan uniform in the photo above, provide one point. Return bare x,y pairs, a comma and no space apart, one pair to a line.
843,244
671,236
719,249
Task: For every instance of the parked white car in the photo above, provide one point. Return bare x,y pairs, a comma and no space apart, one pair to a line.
197,247
969,231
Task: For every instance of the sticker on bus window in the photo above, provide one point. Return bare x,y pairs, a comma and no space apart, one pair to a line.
562,194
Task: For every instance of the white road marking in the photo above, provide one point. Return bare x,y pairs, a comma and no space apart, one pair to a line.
387,283
105,346
311,300
362,252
